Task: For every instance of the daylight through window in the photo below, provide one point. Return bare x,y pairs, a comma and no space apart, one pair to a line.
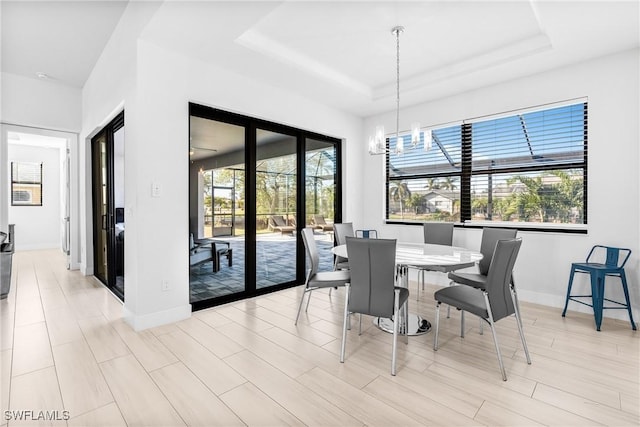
26,184
529,167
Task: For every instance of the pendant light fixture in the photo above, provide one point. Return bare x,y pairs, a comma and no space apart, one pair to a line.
378,142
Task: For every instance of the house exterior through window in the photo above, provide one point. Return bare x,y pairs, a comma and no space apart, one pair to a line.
528,167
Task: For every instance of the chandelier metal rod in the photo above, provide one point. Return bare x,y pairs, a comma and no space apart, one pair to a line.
397,30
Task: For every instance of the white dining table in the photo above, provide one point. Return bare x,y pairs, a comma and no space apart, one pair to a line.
423,255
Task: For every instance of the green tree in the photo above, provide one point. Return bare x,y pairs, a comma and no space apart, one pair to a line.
547,200
399,192
432,184
416,201
569,198
480,205
448,184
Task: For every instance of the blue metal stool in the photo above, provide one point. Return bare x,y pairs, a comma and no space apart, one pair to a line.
599,272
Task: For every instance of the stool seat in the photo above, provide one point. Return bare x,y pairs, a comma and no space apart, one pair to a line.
612,266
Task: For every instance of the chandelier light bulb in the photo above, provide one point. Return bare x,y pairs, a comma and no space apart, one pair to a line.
428,139
415,134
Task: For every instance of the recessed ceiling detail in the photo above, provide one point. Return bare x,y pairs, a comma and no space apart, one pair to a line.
339,54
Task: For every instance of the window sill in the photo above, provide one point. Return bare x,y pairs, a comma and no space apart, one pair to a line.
521,226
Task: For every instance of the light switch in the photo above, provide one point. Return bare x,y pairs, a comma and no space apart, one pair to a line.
155,189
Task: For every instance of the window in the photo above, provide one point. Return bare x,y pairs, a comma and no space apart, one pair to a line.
26,184
529,167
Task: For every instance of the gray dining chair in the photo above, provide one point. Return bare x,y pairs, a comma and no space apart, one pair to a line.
372,289
493,302
341,231
437,233
318,279
490,237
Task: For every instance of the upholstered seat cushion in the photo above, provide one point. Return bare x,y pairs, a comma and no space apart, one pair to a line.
464,298
329,279
475,280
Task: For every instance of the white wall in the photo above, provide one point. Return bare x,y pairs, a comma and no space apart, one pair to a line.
40,103
47,108
611,85
166,82
155,86
38,227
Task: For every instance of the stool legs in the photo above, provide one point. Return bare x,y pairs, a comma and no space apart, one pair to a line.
597,281
566,302
623,277
597,297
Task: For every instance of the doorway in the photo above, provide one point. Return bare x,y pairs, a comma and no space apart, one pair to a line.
107,161
253,186
40,189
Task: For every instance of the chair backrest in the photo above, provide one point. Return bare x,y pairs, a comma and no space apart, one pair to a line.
342,231
278,220
319,220
490,237
499,277
372,263
438,233
367,234
312,250
610,256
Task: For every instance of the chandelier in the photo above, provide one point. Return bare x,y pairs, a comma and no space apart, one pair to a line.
378,141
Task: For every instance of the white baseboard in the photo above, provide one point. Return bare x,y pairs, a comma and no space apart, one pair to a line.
151,320
557,301
36,246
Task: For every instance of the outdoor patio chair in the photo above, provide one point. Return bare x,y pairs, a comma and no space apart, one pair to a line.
200,252
278,223
321,224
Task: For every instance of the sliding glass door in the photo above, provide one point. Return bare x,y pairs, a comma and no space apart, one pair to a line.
321,168
107,152
248,202
276,208
217,200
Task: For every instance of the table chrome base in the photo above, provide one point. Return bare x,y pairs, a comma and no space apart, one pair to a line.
417,325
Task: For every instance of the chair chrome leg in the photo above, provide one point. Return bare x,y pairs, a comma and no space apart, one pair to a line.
495,336
519,322
461,323
300,306
345,321
405,311
308,300
481,326
435,335
396,312
359,323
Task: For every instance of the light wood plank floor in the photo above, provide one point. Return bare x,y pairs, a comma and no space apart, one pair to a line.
65,347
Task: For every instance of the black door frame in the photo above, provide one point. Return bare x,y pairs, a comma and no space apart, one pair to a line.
107,132
251,125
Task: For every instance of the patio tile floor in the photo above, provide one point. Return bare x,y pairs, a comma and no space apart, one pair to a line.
276,264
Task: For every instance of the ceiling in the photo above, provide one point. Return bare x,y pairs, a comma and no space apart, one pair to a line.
62,39
341,54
